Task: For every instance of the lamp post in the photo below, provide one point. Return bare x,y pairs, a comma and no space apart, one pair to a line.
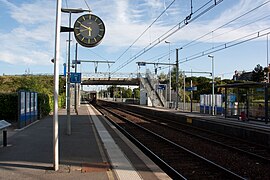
56,86
213,90
70,11
170,76
267,59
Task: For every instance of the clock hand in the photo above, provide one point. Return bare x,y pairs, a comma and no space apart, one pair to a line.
83,30
84,26
89,32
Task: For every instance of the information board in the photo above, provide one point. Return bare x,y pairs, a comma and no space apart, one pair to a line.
75,77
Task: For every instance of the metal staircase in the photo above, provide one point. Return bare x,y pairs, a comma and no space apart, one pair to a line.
148,83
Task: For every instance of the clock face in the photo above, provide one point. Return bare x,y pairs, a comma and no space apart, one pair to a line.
89,30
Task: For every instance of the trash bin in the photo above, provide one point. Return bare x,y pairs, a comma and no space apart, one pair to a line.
243,116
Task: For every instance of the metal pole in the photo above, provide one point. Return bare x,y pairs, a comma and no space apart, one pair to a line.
184,91
177,78
170,79
266,97
267,62
75,87
4,138
68,82
166,95
56,86
213,87
66,71
170,74
191,94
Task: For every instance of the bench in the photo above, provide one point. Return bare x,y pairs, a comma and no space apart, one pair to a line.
3,127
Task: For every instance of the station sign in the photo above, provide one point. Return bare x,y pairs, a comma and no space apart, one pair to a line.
161,87
74,62
75,77
141,64
194,88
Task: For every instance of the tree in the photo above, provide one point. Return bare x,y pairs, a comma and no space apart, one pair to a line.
136,92
127,93
258,74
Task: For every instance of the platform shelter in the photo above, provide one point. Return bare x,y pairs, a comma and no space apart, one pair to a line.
247,101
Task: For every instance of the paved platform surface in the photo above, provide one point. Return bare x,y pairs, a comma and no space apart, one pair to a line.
85,154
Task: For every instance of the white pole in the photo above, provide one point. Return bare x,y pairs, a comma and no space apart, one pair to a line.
66,70
56,86
170,89
166,95
68,82
184,91
267,60
213,87
170,79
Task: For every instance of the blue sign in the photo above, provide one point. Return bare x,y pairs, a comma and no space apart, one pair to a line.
141,63
194,88
74,62
65,69
75,77
162,86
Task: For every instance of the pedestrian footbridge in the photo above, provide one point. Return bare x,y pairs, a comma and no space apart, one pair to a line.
147,84
111,81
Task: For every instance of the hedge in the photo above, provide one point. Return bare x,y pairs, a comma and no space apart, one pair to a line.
9,106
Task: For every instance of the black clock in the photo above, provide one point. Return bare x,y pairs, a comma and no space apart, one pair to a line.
89,30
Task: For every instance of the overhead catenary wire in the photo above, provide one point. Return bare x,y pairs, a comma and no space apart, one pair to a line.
266,2
146,29
66,3
262,18
87,5
193,42
202,10
227,45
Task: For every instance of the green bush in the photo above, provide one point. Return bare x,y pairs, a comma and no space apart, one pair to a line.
9,107
44,107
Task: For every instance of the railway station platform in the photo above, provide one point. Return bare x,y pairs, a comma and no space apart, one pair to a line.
94,150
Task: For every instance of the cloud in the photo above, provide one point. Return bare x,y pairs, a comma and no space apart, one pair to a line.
32,39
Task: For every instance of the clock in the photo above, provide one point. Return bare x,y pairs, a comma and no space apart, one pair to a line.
89,30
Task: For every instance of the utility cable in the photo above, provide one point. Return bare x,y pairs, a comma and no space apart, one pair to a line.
146,30
66,4
173,30
227,23
233,43
262,18
87,5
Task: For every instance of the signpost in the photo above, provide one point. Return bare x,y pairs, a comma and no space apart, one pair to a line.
75,77
161,87
193,88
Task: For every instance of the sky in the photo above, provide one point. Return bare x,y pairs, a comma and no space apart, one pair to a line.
136,32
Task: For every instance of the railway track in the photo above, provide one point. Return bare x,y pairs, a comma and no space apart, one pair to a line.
256,151
175,159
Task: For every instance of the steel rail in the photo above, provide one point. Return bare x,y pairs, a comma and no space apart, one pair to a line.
176,145
265,159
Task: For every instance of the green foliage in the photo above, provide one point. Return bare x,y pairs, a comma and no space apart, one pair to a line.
258,74
40,84
127,93
43,105
137,93
9,106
